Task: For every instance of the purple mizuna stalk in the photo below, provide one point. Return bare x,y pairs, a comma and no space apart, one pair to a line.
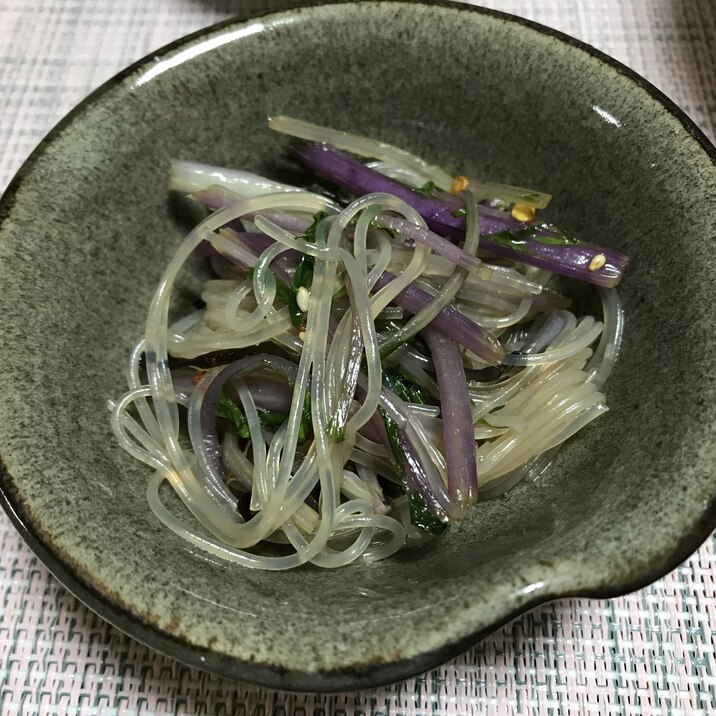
587,262
450,321
458,433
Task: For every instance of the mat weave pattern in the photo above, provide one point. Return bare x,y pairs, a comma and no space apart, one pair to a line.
651,652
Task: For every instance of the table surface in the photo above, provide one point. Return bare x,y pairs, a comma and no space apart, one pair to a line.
651,652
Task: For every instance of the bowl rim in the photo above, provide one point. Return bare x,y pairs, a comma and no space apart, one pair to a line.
374,674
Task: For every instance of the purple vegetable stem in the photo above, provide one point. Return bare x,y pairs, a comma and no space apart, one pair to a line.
208,447
458,433
417,480
375,430
268,394
353,176
587,262
572,260
449,321
434,242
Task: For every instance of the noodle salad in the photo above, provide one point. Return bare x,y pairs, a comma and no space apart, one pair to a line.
372,356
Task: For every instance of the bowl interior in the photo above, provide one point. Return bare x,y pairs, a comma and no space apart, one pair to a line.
88,229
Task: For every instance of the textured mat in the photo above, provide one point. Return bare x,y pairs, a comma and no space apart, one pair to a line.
651,652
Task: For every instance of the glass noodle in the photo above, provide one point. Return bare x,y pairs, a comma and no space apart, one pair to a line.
363,370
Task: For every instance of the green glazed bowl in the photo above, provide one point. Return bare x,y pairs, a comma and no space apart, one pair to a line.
87,229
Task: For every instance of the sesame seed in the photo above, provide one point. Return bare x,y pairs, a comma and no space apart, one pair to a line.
598,260
522,212
459,184
302,298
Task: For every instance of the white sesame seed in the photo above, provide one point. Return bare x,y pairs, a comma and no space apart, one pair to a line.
302,336
302,298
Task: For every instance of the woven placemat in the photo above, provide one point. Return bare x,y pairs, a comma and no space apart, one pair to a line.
651,652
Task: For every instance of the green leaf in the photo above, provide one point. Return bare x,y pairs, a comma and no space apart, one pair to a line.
283,292
270,419
335,431
305,428
391,428
426,189
518,239
404,387
393,380
421,516
559,240
377,224
418,394
303,276
297,317
227,408
310,233
459,213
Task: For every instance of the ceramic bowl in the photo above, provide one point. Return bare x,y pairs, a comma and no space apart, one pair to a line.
87,229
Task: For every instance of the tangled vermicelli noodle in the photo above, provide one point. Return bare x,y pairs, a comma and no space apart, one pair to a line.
366,365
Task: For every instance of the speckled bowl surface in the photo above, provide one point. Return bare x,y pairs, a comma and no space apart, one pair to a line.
87,229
